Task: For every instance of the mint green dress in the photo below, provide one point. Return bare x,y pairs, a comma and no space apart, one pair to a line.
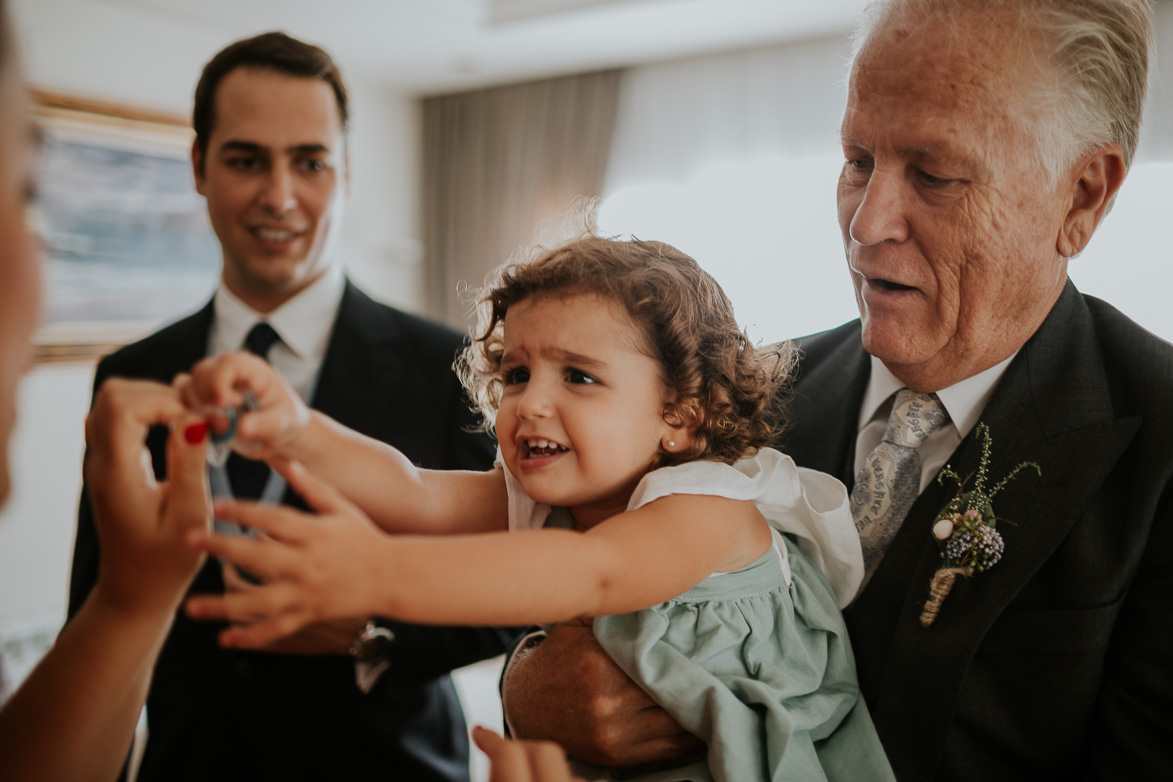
755,662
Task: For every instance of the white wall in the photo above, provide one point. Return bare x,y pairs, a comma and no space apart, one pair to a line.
36,529
381,248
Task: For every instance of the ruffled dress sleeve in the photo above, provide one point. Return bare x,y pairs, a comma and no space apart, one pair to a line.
810,505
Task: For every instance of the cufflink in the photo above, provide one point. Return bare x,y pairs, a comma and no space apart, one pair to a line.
372,644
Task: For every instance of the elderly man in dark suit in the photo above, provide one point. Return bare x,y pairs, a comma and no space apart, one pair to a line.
270,158
983,143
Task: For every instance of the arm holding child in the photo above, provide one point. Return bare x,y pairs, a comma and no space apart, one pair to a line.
614,722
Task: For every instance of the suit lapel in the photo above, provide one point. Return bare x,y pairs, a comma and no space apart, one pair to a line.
824,408
360,372
186,343
1051,407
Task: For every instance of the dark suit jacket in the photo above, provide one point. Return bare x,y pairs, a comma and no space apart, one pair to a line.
226,714
1057,663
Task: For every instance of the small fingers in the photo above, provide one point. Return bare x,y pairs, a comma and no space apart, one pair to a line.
262,602
228,607
278,522
522,761
220,381
319,495
507,760
233,580
487,741
266,559
547,762
260,634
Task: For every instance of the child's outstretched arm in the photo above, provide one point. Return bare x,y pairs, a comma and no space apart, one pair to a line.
381,481
337,564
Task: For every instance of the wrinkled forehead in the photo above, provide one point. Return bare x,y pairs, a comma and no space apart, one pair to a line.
969,64
986,50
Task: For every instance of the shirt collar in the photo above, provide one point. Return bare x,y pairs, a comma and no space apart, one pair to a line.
965,401
303,322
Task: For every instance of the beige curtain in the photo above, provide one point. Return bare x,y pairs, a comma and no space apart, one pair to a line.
501,168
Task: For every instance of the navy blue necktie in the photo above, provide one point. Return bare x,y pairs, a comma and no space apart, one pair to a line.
249,476
260,339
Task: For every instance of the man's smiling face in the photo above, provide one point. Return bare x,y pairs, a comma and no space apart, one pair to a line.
274,176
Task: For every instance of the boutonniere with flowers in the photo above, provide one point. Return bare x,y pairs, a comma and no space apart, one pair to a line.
964,529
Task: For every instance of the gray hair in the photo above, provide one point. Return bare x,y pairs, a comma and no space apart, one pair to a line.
1098,52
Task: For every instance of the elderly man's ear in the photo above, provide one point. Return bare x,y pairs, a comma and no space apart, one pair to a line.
1095,180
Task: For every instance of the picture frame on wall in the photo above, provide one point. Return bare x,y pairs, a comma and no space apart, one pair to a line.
127,243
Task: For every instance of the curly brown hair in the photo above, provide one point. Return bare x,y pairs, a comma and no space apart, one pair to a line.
724,387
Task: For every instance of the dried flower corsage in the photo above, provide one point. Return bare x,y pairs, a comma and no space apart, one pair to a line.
964,529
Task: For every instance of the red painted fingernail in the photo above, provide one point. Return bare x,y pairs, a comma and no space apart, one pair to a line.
196,433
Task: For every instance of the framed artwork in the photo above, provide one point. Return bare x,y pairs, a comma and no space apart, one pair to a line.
127,243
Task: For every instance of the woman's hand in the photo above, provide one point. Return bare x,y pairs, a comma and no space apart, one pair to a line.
142,524
273,430
74,716
312,567
523,761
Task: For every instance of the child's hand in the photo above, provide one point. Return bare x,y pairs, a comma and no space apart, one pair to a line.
312,567
332,637
273,430
523,761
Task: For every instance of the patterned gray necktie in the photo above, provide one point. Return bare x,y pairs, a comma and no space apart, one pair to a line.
889,481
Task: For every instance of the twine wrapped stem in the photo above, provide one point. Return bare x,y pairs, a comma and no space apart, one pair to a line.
939,589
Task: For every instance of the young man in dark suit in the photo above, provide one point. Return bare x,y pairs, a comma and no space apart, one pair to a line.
271,160
983,144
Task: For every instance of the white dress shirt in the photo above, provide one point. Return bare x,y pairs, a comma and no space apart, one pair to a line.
303,323
964,401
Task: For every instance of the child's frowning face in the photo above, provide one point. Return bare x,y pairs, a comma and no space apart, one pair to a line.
581,414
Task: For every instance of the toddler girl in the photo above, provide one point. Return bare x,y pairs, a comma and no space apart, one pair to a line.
631,415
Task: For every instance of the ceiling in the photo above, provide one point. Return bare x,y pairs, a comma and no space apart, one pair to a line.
429,46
